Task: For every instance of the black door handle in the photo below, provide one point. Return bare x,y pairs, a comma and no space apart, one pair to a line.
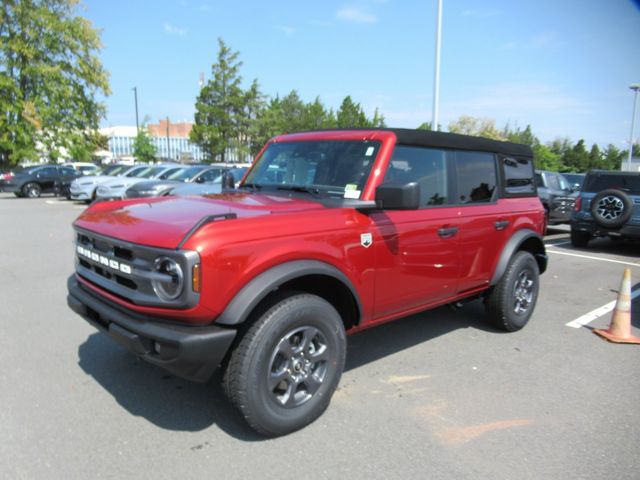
447,232
502,224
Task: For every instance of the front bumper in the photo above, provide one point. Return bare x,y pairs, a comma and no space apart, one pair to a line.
190,352
82,192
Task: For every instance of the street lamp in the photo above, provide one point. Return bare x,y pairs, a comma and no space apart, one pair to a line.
135,96
436,82
635,87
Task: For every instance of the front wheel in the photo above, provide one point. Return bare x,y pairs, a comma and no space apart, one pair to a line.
282,374
511,302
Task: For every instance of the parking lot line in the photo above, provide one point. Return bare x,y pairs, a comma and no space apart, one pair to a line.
594,258
556,244
598,312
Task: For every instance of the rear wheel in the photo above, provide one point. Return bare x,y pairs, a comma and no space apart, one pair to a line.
511,302
611,208
579,239
31,190
282,374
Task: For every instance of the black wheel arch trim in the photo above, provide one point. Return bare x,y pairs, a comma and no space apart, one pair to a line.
250,296
513,245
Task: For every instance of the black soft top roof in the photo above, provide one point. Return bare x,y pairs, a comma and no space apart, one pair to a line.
427,138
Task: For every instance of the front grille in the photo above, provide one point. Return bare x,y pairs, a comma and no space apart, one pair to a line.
125,269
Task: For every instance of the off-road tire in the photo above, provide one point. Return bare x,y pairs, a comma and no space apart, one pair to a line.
620,205
31,190
580,239
512,301
256,379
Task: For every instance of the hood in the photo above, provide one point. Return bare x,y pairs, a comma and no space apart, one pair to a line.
165,221
148,184
121,182
93,179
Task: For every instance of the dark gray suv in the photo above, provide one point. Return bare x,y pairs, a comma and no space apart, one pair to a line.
608,205
556,195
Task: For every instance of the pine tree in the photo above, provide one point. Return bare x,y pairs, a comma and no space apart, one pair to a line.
221,107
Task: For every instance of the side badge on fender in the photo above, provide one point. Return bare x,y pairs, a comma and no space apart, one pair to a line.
366,240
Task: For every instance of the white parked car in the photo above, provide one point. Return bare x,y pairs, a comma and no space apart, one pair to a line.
115,188
84,188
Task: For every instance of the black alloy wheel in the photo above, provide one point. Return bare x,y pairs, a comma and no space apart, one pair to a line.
511,302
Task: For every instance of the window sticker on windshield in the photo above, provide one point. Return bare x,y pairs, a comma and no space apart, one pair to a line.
351,191
369,151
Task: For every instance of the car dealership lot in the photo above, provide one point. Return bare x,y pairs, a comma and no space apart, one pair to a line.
435,395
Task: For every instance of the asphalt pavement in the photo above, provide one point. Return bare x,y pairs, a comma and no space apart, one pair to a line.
439,395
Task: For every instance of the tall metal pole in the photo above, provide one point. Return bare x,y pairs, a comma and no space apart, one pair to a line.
436,82
168,151
635,87
135,96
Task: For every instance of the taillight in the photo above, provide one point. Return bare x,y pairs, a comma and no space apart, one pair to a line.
578,204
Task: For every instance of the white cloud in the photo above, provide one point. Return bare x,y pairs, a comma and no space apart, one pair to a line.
287,30
544,40
356,15
173,30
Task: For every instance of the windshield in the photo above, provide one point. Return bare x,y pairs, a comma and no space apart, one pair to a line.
185,174
331,167
133,172
151,172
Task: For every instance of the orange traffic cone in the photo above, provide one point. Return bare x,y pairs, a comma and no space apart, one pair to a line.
620,329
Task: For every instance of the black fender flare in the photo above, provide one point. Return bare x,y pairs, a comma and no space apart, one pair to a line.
513,245
266,282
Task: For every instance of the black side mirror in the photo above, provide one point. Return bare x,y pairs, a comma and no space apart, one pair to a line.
228,182
392,196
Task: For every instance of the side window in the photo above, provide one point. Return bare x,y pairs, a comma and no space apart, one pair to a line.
539,182
48,172
518,176
210,175
427,167
67,171
476,177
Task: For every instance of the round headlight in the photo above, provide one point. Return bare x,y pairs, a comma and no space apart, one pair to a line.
169,288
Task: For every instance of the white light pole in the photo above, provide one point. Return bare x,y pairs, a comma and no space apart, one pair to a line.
436,82
635,87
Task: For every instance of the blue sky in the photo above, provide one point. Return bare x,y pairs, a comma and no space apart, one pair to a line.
562,66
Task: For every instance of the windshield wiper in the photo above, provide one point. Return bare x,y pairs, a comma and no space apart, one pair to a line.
300,188
254,186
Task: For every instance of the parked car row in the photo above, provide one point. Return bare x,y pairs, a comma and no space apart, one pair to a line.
151,180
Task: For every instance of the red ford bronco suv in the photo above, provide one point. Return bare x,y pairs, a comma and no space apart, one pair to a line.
329,233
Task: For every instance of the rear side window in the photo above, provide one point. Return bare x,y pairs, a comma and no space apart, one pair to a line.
476,177
427,167
518,176
627,183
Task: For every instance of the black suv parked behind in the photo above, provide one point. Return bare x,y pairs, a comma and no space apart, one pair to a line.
556,195
32,181
608,205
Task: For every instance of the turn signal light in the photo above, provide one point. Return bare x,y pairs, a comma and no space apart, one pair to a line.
195,278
